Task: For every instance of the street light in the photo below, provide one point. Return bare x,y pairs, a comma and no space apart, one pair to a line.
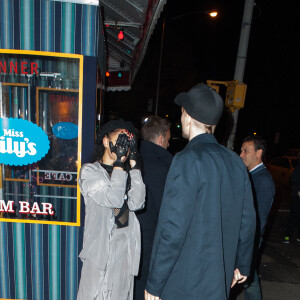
213,14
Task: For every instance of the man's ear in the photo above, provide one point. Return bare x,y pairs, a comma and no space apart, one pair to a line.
259,153
160,140
188,119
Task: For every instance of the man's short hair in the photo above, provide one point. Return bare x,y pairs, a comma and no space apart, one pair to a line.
258,142
154,127
208,128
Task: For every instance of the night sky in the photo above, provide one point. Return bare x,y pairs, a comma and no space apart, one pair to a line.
197,48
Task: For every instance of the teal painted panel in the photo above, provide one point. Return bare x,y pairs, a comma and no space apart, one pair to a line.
20,260
41,261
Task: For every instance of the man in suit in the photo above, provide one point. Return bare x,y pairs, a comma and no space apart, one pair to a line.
156,163
204,236
252,151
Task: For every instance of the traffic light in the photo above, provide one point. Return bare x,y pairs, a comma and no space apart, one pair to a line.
235,92
235,96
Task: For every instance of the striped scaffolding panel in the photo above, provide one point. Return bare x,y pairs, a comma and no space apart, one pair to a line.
41,261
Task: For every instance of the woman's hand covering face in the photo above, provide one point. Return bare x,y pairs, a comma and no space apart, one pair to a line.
133,154
121,147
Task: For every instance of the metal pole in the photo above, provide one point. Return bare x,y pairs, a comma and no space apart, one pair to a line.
241,60
159,66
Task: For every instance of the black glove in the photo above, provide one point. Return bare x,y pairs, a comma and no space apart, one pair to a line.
120,149
133,154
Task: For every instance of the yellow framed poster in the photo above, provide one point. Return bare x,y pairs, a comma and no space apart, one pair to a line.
40,136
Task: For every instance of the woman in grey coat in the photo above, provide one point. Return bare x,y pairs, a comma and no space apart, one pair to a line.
111,243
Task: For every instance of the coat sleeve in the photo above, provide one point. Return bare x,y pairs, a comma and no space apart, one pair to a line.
136,194
247,231
107,193
175,216
265,192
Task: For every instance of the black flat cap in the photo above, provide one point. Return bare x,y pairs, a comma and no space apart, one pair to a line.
113,125
202,103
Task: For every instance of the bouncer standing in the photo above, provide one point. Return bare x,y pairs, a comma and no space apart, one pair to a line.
204,237
156,163
252,152
111,243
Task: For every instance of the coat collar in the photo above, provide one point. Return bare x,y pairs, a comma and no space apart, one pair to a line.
258,169
202,138
149,148
106,175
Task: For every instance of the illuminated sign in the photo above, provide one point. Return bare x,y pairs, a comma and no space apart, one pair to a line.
58,176
63,98
27,208
13,67
21,142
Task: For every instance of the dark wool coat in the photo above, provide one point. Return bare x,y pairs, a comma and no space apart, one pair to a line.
156,163
206,224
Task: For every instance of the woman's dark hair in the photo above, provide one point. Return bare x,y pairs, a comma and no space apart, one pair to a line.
98,150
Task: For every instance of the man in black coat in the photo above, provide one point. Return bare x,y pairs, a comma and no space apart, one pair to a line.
156,163
252,152
204,236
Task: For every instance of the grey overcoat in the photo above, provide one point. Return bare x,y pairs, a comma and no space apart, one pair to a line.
101,195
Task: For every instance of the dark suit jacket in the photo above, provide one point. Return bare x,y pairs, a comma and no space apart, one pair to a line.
156,163
263,193
206,224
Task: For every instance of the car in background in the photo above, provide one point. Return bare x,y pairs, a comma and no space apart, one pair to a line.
281,169
293,152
